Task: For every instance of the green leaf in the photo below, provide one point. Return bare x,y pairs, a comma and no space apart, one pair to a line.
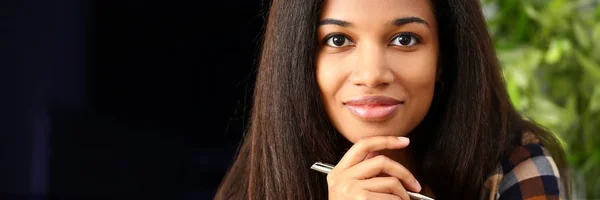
588,65
591,162
533,58
519,77
546,113
596,38
572,103
552,72
598,11
554,52
531,12
588,134
514,93
596,34
565,46
581,35
522,27
594,105
573,158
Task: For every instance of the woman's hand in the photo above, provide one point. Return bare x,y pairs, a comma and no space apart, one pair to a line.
355,178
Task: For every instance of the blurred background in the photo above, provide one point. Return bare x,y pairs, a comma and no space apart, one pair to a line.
148,99
550,54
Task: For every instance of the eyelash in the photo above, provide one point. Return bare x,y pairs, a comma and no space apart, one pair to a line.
412,35
417,39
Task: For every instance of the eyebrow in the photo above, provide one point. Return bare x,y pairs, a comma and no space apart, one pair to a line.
396,22
408,20
335,22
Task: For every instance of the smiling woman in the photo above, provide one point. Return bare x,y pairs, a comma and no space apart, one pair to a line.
376,68
403,95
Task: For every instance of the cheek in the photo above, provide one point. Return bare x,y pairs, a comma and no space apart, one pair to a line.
417,73
330,78
324,78
419,83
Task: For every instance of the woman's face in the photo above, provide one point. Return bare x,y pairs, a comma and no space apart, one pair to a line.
377,65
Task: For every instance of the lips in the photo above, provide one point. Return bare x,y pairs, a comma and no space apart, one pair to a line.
374,108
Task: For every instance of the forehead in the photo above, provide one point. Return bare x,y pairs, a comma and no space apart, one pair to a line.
370,11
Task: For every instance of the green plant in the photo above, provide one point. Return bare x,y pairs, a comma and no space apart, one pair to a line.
550,54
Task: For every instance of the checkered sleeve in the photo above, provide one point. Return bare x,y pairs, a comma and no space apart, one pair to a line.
530,173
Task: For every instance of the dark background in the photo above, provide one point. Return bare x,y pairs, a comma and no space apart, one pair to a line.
111,99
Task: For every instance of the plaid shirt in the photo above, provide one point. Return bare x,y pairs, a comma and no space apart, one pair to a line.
528,173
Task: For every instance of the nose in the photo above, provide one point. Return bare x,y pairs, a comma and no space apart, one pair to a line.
371,69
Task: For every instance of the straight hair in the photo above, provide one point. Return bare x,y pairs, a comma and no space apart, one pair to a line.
469,128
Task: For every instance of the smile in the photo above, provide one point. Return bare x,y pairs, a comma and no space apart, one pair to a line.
374,108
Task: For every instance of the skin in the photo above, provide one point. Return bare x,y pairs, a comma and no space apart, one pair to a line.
373,56
372,63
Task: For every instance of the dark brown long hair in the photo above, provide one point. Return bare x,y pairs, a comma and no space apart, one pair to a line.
470,127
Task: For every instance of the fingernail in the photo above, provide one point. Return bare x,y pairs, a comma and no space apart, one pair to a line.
403,139
418,185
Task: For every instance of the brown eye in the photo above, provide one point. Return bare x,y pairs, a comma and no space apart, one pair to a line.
405,40
338,41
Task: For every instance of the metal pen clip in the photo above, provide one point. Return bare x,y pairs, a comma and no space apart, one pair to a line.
326,168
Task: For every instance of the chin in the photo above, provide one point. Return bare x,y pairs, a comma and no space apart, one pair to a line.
354,136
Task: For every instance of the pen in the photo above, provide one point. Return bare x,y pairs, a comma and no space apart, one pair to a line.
326,168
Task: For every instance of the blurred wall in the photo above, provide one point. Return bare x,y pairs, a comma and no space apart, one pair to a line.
124,98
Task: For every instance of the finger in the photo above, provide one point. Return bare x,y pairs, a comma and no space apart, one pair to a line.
371,155
360,149
381,164
389,185
384,196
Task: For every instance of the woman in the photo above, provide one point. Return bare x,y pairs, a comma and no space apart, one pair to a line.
403,95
